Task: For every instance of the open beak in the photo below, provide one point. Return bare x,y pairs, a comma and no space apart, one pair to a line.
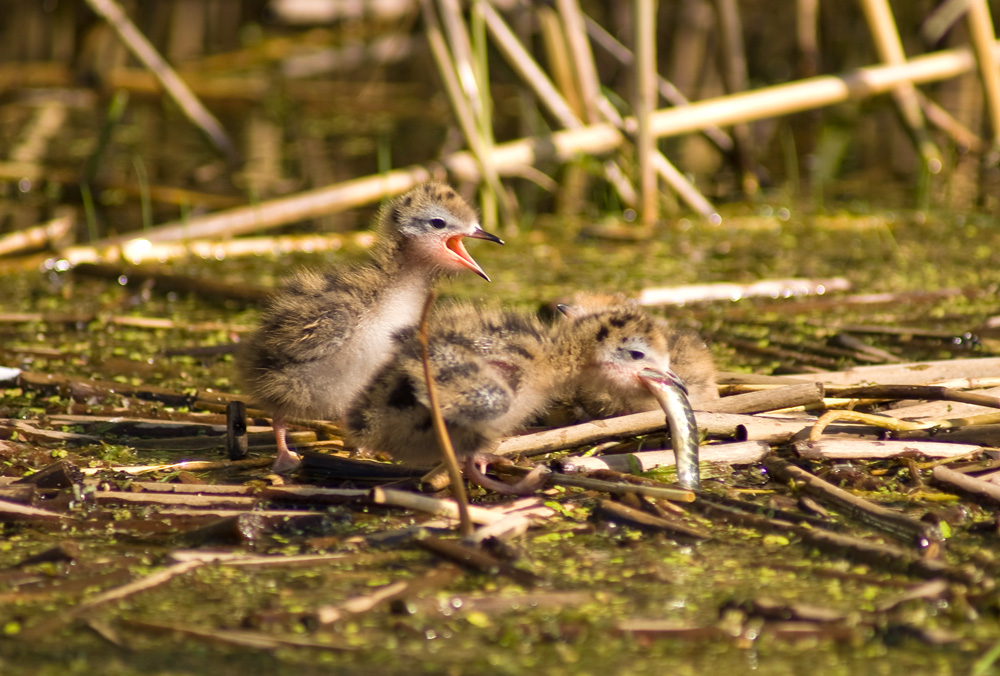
454,244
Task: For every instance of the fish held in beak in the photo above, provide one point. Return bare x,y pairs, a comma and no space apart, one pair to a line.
671,394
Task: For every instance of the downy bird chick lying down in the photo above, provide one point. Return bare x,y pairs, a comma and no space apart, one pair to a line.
606,341
495,371
492,370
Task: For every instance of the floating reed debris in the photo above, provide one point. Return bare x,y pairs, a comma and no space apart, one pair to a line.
13,511
966,484
867,449
735,453
771,288
56,622
895,523
242,638
617,512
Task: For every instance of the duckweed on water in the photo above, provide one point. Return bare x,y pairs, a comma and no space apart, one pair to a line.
498,626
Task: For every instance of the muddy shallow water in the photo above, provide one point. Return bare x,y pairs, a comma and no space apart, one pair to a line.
597,582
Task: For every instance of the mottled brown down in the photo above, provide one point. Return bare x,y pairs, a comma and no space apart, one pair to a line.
496,371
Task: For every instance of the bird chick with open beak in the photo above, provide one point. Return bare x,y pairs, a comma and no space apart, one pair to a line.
326,334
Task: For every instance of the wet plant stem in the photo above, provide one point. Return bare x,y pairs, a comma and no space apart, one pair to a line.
447,451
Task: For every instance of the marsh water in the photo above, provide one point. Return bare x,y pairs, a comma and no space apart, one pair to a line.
918,252
593,576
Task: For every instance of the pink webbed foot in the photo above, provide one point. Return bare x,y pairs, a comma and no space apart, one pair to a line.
286,460
475,466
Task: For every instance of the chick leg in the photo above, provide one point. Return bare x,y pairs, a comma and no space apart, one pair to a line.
287,459
475,466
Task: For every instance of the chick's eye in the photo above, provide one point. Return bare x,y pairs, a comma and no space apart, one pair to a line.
437,223
637,354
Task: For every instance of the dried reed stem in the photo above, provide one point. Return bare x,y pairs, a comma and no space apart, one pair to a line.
912,373
966,484
890,50
734,74
284,210
178,91
773,288
812,93
512,158
983,37
667,90
645,104
582,61
46,121
735,453
440,431
870,449
455,67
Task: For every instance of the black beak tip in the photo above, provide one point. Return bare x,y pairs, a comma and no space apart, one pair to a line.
479,233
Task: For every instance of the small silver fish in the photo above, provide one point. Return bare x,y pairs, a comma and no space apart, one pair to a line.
670,392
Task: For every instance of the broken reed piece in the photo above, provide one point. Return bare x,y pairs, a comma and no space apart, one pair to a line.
190,465
789,396
982,435
929,392
475,559
204,287
241,638
918,409
772,288
143,251
966,484
881,421
870,449
176,88
429,505
611,510
58,621
23,494
910,373
900,426
710,424
46,234
12,511
436,578
734,453
60,474
237,444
